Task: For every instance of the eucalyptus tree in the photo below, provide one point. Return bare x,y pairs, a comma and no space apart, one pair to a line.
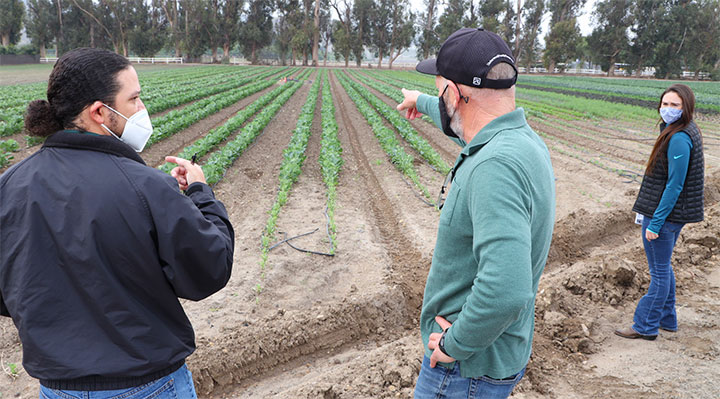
529,47
361,16
381,28
284,27
506,28
11,21
703,51
562,41
341,30
451,19
228,17
113,17
40,19
647,15
427,41
149,33
402,29
609,40
489,13
256,28
171,9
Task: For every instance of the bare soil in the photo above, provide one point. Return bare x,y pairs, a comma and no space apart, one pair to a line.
314,326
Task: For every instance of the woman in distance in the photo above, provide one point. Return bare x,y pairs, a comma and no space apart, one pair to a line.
671,194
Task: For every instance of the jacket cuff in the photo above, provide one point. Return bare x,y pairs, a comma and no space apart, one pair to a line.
199,187
422,103
454,348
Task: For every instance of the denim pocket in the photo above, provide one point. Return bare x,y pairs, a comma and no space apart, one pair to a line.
163,388
510,381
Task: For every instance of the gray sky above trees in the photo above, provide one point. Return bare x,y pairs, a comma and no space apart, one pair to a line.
584,21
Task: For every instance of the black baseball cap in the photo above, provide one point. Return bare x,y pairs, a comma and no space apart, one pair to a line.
467,56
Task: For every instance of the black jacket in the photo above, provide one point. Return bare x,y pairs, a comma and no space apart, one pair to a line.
689,207
95,249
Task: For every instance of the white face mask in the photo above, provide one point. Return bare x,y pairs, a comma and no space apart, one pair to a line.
138,129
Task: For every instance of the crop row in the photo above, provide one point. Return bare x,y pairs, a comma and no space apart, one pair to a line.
162,97
219,134
205,88
330,158
171,95
403,126
707,94
176,120
386,137
7,147
291,166
20,95
222,159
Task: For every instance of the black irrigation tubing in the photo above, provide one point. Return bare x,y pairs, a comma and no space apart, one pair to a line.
416,194
287,241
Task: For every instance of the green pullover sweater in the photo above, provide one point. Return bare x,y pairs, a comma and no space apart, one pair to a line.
492,245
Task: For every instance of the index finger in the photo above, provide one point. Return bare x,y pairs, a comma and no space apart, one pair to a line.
177,160
444,324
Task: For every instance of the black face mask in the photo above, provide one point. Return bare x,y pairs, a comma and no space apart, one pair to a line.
445,118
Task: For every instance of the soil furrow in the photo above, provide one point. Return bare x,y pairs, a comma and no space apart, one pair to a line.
409,266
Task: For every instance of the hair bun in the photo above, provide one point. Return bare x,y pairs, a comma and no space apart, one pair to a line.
40,119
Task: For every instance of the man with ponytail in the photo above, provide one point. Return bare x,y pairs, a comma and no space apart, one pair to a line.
671,195
96,247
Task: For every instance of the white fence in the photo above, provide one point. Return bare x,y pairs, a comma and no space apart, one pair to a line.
137,60
154,60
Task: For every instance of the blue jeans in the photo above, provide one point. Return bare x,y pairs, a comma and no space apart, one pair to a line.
657,308
177,385
441,382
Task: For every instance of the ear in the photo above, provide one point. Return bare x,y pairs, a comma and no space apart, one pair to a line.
98,113
455,96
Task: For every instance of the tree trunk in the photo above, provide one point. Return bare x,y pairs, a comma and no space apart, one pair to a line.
316,34
6,39
305,57
187,29
551,68
380,57
92,35
428,28
42,51
611,68
253,59
226,50
326,51
517,29
61,38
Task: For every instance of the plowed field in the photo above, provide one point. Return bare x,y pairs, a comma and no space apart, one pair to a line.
315,326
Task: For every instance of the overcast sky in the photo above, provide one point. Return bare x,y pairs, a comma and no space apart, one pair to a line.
584,21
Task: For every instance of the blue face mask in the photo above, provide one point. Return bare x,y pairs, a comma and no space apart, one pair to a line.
670,115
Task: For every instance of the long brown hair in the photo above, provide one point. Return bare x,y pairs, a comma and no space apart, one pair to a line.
688,109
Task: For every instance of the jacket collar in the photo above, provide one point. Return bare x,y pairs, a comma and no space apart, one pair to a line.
511,120
106,144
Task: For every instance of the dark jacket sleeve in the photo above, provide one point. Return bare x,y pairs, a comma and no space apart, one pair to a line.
3,309
195,239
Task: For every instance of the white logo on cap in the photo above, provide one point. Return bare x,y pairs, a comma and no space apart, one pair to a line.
476,81
498,56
